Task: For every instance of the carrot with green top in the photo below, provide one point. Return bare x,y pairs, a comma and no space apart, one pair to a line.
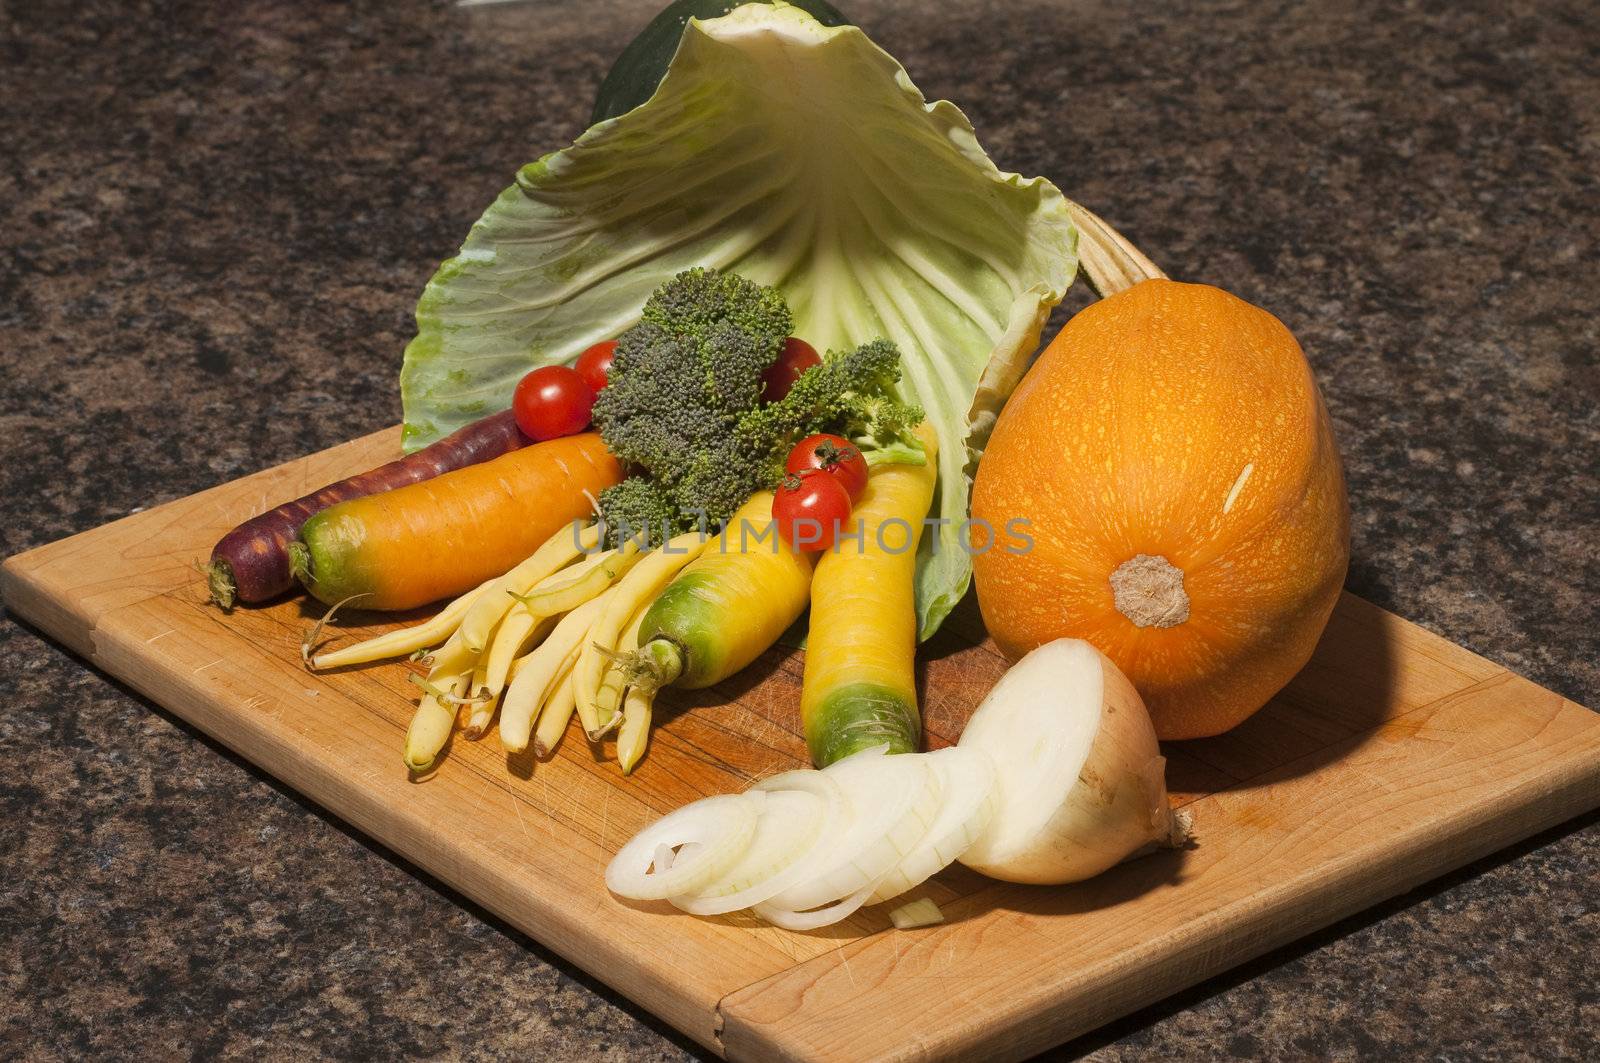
431,540
860,684
726,607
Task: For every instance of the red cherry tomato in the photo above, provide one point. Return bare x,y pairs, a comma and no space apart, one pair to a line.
594,364
552,401
811,511
834,455
797,357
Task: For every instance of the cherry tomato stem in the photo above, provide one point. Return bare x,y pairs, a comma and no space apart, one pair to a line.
834,455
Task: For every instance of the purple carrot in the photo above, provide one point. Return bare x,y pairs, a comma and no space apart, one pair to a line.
251,563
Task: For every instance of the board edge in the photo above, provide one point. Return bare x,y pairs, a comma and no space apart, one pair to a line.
1537,804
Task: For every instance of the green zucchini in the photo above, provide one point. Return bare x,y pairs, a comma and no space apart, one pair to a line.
643,63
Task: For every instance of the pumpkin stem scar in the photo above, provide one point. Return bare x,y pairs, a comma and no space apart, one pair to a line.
1149,591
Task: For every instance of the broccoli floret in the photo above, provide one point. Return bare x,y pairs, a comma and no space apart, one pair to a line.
682,404
718,481
652,404
850,394
697,299
637,509
690,368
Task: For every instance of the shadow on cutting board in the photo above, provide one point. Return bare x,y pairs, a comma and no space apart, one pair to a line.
1343,694
1334,705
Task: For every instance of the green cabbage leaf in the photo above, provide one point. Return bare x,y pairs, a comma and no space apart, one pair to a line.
797,155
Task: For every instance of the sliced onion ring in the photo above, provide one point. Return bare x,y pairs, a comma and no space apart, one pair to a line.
892,801
709,835
816,919
794,835
968,799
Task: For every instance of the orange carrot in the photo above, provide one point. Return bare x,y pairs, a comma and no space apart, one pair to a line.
435,539
251,563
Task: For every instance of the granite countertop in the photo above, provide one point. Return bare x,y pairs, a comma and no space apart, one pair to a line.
215,220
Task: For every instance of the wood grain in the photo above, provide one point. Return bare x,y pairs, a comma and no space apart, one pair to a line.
1391,758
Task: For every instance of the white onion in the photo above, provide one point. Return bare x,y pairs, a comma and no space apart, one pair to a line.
1080,777
794,832
816,918
920,912
1056,778
701,840
890,801
968,801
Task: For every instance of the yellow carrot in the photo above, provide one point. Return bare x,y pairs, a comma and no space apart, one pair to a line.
729,605
733,602
860,685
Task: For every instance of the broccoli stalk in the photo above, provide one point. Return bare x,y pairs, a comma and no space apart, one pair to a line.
682,405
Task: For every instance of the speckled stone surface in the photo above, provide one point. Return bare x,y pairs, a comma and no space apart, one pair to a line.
214,221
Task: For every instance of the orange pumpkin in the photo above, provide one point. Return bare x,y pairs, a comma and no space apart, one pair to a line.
1174,464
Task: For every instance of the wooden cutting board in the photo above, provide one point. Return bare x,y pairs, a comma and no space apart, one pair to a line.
1393,757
